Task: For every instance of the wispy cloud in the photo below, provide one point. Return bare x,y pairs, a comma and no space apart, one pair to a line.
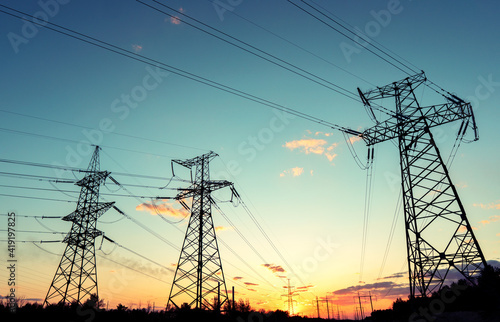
490,220
223,228
297,171
163,208
464,228
354,139
491,205
393,276
495,218
236,278
304,288
322,133
274,268
175,20
314,146
137,48
379,288
250,284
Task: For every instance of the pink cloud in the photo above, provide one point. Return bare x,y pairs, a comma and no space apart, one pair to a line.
353,139
237,278
274,268
175,19
163,208
222,228
313,146
250,284
464,229
304,288
307,146
137,48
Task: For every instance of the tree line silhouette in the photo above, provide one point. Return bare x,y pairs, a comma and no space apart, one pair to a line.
460,301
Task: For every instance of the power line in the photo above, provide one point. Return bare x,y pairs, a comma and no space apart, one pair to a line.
90,128
245,240
34,217
287,66
37,232
71,191
33,241
133,269
263,232
350,31
33,197
353,96
36,177
438,89
68,168
43,136
149,230
345,35
174,70
366,212
140,255
296,45
371,39
238,231
109,259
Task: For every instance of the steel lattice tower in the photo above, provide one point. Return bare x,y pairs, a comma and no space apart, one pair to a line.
76,277
199,276
439,236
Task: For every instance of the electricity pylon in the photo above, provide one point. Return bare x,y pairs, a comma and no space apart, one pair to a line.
199,276
76,277
290,294
439,236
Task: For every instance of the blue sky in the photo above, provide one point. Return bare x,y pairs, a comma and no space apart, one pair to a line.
58,78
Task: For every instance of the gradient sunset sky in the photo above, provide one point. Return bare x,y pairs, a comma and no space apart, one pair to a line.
297,177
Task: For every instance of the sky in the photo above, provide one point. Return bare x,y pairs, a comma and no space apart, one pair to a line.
298,177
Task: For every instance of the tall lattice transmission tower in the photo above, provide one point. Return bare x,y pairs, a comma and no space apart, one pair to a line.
76,277
439,236
199,277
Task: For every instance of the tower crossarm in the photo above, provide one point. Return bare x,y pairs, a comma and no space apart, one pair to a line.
395,88
208,186
413,123
189,163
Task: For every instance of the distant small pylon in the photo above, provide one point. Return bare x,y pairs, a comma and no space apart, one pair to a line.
290,294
